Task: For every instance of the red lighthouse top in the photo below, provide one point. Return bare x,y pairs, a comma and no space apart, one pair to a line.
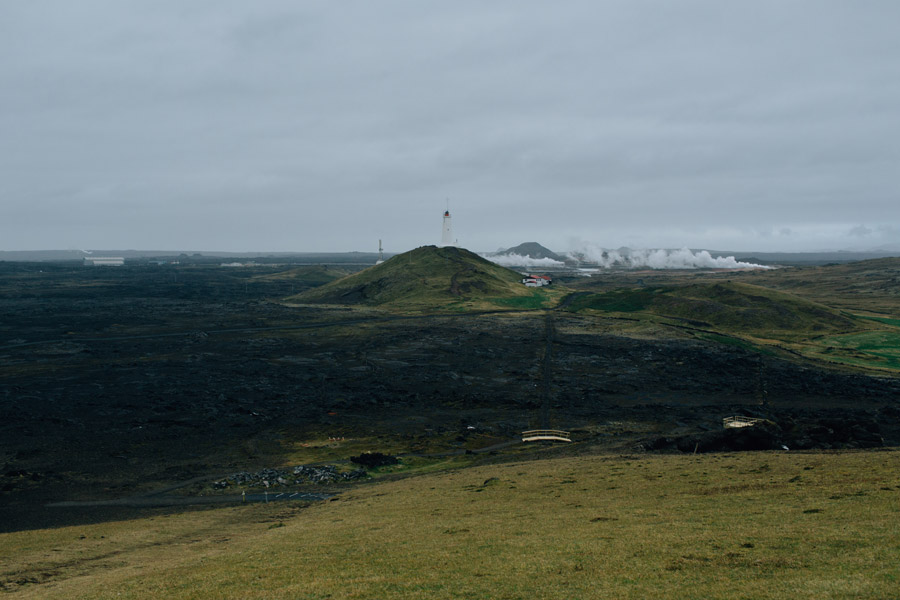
446,213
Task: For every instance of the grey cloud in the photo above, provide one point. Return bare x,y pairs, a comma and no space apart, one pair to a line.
697,123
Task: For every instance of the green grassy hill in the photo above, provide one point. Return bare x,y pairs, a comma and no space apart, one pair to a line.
867,285
728,307
431,278
757,318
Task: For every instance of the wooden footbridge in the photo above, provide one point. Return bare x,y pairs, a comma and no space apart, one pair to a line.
740,421
537,435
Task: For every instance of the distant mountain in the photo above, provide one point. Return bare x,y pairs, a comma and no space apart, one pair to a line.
532,250
427,277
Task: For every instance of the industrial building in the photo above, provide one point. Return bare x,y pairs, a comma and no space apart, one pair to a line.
104,261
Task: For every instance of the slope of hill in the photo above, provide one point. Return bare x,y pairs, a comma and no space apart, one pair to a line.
428,277
868,285
728,307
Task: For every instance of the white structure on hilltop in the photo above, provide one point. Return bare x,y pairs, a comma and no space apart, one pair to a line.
380,254
447,231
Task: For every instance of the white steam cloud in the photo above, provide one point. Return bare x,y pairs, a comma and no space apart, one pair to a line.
517,260
660,258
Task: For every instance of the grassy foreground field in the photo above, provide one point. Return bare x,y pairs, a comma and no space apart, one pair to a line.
754,525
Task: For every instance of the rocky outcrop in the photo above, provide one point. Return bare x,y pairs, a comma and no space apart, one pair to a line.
299,475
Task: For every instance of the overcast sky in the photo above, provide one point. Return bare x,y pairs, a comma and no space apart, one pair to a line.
284,125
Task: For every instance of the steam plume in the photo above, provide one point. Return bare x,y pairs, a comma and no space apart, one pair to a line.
658,259
516,260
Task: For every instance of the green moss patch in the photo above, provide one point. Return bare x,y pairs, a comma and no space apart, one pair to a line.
871,349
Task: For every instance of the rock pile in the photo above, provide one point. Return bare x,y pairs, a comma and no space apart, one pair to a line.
327,474
284,477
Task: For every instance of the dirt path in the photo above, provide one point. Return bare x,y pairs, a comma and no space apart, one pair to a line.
547,370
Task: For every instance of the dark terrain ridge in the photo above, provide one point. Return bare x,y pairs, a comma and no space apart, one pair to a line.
119,380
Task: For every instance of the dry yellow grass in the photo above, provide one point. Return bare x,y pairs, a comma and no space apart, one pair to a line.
761,525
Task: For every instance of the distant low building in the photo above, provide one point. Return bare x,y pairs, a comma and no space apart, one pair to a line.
537,280
104,261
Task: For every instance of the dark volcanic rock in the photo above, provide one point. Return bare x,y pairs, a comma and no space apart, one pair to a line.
803,432
115,374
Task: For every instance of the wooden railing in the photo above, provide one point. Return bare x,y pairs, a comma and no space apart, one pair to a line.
535,435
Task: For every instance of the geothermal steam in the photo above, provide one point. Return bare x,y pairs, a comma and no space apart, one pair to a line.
591,255
517,260
684,258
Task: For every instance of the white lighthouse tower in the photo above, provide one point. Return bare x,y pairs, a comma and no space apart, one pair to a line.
447,232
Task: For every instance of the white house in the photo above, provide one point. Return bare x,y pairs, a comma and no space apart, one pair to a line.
537,280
